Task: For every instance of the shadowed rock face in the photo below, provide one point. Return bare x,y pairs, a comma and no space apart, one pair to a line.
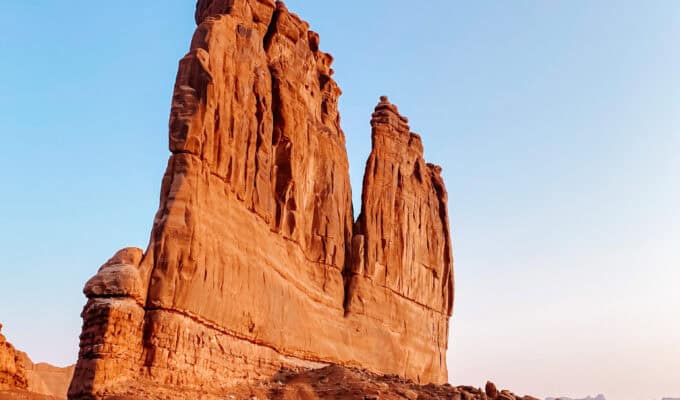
255,262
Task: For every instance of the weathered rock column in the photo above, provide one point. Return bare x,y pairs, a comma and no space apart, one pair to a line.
403,261
110,354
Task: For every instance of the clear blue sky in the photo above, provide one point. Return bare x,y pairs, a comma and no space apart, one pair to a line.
557,124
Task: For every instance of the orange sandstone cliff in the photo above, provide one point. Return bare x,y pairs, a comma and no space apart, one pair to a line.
255,261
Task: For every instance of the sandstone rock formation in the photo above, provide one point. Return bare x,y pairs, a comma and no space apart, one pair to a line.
255,262
14,366
21,378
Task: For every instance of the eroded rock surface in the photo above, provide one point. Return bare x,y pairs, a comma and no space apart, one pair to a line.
14,366
255,261
20,378
339,383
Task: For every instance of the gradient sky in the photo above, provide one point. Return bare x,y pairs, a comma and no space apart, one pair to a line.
557,124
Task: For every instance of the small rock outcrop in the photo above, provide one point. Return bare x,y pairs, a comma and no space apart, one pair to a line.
255,261
21,378
14,366
491,390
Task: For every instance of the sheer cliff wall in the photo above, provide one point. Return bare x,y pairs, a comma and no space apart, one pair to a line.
255,261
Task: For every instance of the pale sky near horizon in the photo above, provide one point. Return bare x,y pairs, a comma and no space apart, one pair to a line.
557,124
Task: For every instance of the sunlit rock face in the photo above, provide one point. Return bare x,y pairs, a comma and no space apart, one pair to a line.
20,378
14,366
255,261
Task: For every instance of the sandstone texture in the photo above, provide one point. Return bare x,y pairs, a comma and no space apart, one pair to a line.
14,366
20,378
255,261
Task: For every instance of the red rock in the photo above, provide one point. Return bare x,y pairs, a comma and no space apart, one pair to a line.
255,262
14,366
340,383
21,378
111,338
403,263
491,390
119,277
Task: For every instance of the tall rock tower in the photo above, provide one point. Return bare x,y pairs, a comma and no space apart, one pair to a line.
255,261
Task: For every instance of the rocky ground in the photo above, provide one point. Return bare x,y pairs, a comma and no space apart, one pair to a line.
339,383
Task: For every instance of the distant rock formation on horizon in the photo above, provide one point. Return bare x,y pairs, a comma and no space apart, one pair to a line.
255,261
598,397
21,378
